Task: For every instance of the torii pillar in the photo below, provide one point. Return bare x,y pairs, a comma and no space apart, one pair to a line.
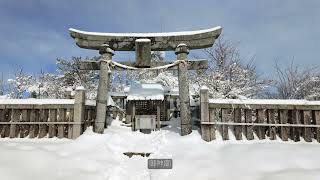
184,95
103,88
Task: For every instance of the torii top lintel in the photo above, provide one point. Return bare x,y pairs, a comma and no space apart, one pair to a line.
159,41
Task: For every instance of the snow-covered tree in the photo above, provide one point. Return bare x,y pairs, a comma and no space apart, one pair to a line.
162,76
296,82
167,79
228,76
69,76
72,76
157,58
47,86
20,84
119,81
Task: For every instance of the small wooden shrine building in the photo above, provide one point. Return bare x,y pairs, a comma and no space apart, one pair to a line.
147,106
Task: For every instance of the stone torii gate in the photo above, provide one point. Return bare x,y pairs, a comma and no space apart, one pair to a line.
143,44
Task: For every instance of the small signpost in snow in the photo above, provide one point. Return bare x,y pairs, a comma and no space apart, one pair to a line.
159,163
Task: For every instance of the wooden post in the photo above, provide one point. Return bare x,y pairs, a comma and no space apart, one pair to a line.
14,129
103,88
6,128
133,115
168,112
261,119
128,112
219,119
42,127
249,129
7,118
120,115
284,131
25,117
34,117
225,113
70,119
114,113
79,108
237,128
317,121
296,119
164,108
53,118
272,120
158,115
93,118
307,134
87,121
2,119
61,118
182,51
204,114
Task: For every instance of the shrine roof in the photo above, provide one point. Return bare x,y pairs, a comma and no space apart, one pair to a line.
145,92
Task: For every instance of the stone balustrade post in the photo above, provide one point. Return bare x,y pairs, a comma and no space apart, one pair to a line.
204,113
78,111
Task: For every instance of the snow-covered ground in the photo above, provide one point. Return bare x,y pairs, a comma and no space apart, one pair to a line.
99,157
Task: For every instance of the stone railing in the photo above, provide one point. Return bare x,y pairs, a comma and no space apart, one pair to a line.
62,118
259,118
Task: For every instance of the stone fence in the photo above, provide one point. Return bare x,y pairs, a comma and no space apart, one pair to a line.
259,118
62,118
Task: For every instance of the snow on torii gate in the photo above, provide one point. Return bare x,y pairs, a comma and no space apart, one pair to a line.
143,44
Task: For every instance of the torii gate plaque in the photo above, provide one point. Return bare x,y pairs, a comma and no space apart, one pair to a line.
143,44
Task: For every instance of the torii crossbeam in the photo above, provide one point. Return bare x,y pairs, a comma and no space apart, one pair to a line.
143,44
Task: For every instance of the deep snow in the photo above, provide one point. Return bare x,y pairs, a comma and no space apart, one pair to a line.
98,157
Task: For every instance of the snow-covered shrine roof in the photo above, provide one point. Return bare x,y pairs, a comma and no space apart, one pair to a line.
151,91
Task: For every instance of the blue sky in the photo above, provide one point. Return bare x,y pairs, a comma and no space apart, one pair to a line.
34,33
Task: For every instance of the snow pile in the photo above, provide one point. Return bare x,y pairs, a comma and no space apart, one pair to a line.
146,92
100,157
